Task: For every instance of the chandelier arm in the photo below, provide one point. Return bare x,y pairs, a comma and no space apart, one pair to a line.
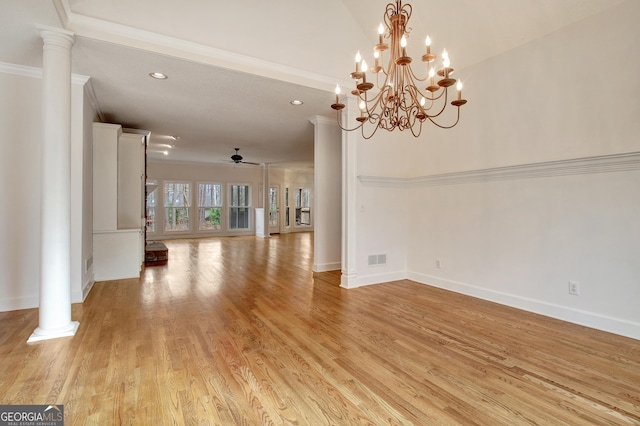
415,135
416,78
444,105
344,128
446,127
437,97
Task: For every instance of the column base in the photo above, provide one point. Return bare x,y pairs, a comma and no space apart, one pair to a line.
348,280
66,331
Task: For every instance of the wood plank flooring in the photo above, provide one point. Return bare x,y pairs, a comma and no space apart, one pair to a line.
240,331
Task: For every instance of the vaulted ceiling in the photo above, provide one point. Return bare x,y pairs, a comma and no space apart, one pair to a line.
234,66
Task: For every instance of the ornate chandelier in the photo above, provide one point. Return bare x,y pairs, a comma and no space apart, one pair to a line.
400,102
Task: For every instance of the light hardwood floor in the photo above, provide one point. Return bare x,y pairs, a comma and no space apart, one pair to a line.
240,331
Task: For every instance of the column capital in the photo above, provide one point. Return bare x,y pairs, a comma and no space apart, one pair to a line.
59,35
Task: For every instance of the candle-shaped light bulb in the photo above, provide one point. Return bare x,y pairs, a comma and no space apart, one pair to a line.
337,92
403,44
459,87
446,63
363,106
422,101
432,74
445,54
358,60
364,70
427,42
380,33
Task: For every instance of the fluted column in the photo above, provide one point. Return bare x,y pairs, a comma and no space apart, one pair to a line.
55,247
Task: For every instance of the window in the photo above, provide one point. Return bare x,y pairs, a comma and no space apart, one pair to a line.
286,207
239,203
177,199
150,188
210,207
303,206
273,206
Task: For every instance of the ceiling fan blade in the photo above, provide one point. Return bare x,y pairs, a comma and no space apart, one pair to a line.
249,162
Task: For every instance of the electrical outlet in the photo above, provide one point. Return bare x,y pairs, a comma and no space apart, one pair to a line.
438,263
574,288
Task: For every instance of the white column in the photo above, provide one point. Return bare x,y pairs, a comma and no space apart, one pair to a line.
266,200
349,197
55,253
327,194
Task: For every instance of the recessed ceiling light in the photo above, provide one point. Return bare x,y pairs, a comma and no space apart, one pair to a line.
296,102
158,75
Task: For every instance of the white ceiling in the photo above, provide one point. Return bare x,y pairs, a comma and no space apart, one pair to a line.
233,66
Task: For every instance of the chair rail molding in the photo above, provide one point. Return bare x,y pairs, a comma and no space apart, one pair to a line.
627,161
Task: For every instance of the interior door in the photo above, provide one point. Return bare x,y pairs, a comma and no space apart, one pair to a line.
274,210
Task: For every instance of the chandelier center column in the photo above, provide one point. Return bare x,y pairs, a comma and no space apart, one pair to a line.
55,247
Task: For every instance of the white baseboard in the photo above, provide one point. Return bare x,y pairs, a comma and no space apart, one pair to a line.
87,288
324,267
576,316
360,281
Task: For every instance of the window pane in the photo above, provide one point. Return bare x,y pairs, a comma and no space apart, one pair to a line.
210,219
176,194
209,195
239,196
238,218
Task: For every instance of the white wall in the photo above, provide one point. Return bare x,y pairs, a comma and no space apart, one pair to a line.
534,187
225,175
20,172
20,188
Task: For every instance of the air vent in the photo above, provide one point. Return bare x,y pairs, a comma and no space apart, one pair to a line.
377,259
88,263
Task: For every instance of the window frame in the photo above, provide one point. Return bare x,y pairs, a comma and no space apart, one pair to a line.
187,208
299,209
148,208
220,207
231,206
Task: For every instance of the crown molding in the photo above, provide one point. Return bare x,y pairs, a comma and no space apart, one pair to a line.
22,70
35,72
628,161
321,119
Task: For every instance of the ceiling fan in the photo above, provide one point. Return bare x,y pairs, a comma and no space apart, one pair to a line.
237,158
